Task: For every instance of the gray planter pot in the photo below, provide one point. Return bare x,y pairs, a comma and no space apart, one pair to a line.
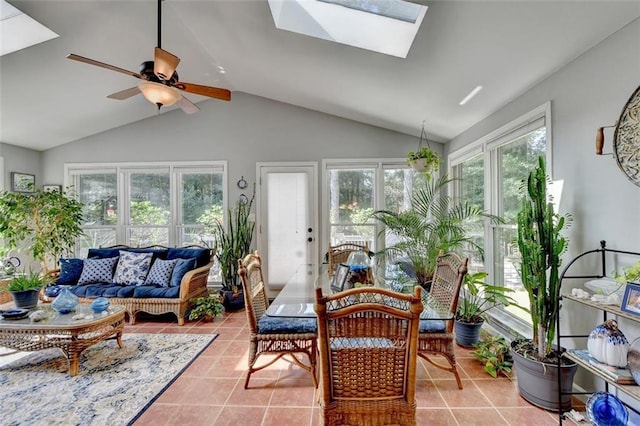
538,382
25,299
467,333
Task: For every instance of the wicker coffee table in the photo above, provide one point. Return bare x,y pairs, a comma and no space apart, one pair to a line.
72,336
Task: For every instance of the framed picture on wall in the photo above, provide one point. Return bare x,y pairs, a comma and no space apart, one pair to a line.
22,182
631,299
340,277
52,188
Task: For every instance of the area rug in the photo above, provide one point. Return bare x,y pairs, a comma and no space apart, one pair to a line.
113,386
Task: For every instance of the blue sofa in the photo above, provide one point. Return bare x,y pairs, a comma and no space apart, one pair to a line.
155,279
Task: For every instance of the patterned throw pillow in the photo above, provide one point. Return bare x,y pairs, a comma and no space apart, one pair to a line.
160,273
97,270
182,267
132,268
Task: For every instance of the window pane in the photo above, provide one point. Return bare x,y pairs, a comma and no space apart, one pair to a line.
150,202
98,193
148,236
351,202
95,237
471,189
515,159
201,194
398,187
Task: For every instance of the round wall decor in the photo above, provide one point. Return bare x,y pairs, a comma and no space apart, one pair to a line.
626,139
242,184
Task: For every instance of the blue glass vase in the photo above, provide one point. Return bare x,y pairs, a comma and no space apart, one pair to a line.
65,302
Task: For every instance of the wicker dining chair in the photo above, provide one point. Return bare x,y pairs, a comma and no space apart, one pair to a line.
273,335
435,336
340,253
367,342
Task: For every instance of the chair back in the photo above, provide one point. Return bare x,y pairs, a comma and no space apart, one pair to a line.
253,286
368,351
340,253
447,281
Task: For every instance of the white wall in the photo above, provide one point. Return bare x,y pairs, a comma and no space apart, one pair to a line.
588,93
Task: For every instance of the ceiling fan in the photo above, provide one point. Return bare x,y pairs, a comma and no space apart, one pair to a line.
160,84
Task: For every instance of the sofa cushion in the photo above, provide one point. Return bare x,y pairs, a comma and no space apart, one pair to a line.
431,326
132,268
97,270
281,325
160,273
201,254
182,267
70,271
143,291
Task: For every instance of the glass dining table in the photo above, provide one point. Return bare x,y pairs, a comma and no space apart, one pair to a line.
297,297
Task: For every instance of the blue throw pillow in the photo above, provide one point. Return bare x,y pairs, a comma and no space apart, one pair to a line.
201,254
70,271
182,267
132,268
160,273
98,270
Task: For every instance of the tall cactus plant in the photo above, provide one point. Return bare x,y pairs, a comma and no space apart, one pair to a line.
541,245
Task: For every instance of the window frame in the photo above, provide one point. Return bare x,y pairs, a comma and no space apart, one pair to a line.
488,146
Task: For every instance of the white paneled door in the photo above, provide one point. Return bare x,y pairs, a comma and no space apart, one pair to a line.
287,212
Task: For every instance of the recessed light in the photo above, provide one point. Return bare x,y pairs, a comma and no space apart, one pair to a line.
470,95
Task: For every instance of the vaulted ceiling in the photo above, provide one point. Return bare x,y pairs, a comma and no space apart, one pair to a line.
505,46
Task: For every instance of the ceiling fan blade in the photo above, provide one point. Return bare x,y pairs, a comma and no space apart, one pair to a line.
187,106
165,64
102,65
212,92
125,94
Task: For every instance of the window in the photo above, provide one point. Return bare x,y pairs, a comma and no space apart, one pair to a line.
354,189
147,204
490,173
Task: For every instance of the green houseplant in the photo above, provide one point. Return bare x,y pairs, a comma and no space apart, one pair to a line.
476,298
493,353
541,245
44,224
233,243
435,222
205,308
424,160
25,288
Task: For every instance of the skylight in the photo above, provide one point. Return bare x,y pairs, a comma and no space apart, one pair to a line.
384,26
19,31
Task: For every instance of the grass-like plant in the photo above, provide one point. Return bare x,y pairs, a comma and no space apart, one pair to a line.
28,281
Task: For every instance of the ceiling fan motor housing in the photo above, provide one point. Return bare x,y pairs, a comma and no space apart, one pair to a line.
146,71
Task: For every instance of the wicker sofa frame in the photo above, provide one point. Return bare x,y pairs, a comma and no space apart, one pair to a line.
193,284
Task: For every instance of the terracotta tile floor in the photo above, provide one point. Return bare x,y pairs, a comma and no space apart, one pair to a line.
211,391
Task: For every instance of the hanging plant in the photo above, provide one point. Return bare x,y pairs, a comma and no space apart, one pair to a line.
424,160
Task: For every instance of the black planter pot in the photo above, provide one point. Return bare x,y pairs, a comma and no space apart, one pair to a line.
232,301
538,382
26,299
467,333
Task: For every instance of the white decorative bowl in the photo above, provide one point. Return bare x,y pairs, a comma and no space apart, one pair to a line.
606,286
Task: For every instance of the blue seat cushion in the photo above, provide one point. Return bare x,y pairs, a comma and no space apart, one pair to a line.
431,326
201,254
281,325
143,291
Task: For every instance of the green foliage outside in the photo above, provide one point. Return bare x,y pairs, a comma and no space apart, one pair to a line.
541,244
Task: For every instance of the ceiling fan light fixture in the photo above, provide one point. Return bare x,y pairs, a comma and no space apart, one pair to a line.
159,94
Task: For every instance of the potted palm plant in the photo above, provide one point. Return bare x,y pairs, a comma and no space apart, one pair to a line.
541,244
476,298
44,224
233,243
435,222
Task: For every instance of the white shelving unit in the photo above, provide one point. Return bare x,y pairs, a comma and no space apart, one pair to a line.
601,254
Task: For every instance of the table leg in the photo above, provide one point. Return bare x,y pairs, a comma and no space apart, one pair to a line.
74,363
119,339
